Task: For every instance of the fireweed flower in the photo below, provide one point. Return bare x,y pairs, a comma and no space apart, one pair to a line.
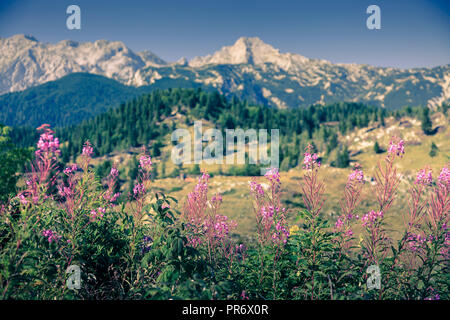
273,176
339,224
51,235
216,199
256,188
70,169
22,199
47,144
97,214
87,149
244,295
415,241
310,161
145,163
138,190
357,175
281,233
444,177
312,188
396,147
424,177
434,294
114,172
369,219
222,226
267,213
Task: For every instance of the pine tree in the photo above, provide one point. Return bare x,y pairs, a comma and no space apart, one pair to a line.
376,148
342,158
426,121
433,150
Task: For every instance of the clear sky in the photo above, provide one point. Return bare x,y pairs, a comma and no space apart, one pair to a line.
414,33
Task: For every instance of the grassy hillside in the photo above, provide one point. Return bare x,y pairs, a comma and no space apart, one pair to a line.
235,190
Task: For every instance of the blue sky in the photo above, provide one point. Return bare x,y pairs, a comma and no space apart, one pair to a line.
413,33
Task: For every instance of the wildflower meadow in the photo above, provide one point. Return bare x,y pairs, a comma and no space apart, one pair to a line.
154,246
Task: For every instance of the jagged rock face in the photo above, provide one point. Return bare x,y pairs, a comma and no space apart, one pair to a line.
249,69
25,62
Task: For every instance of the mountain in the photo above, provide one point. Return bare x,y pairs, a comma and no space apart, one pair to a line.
249,69
65,101
26,62
254,70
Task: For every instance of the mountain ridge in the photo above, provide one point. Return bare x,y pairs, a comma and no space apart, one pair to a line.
249,69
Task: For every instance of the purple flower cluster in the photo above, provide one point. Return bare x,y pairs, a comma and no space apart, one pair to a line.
146,244
47,143
216,199
273,176
424,177
138,190
71,169
267,213
114,172
434,295
357,175
397,147
415,241
369,219
281,233
310,161
97,214
145,163
222,226
256,188
444,177
51,235
88,150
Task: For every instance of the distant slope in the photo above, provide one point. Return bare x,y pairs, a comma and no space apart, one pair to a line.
68,100
73,98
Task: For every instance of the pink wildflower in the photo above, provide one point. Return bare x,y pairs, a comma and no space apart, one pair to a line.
424,177
216,199
444,177
256,188
70,169
396,147
97,214
273,175
138,190
357,175
51,235
145,163
114,172
310,161
87,149
47,143
369,219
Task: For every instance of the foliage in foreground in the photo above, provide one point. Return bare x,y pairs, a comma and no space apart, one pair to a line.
147,250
